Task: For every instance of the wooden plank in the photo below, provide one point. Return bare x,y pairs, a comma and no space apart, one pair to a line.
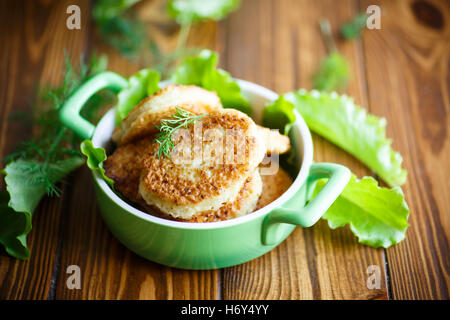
408,81
33,37
108,269
278,45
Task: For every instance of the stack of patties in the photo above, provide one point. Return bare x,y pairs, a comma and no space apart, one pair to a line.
212,172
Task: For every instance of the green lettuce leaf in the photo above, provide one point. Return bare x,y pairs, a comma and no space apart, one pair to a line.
142,84
339,120
279,114
14,226
201,71
377,216
333,73
27,182
193,69
188,11
94,160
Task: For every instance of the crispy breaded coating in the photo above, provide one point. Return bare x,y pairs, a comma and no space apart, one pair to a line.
143,119
124,166
211,174
245,203
204,180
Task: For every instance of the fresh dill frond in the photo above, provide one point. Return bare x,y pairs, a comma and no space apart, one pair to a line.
52,142
181,119
123,33
41,174
118,26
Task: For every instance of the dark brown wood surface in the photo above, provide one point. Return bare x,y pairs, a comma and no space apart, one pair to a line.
400,72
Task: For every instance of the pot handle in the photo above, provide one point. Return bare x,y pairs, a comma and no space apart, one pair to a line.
70,112
338,177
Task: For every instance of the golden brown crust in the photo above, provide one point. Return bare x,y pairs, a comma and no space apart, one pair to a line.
165,181
126,178
124,166
187,183
227,211
192,189
143,118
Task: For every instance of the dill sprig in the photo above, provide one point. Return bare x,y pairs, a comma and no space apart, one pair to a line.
52,143
118,25
41,163
181,119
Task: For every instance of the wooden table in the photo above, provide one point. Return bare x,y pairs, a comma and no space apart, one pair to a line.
400,72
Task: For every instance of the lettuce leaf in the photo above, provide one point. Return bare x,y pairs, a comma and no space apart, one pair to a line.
94,160
201,71
14,226
377,216
188,11
279,114
142,84
339,120
27,182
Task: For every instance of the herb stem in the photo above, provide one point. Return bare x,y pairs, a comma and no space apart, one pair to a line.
55,144
183,36
325,30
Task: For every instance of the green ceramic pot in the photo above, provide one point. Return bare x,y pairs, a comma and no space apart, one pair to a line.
217,244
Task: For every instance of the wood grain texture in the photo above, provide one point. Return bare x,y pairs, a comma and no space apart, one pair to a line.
111,271
34,36
408,64
277,44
